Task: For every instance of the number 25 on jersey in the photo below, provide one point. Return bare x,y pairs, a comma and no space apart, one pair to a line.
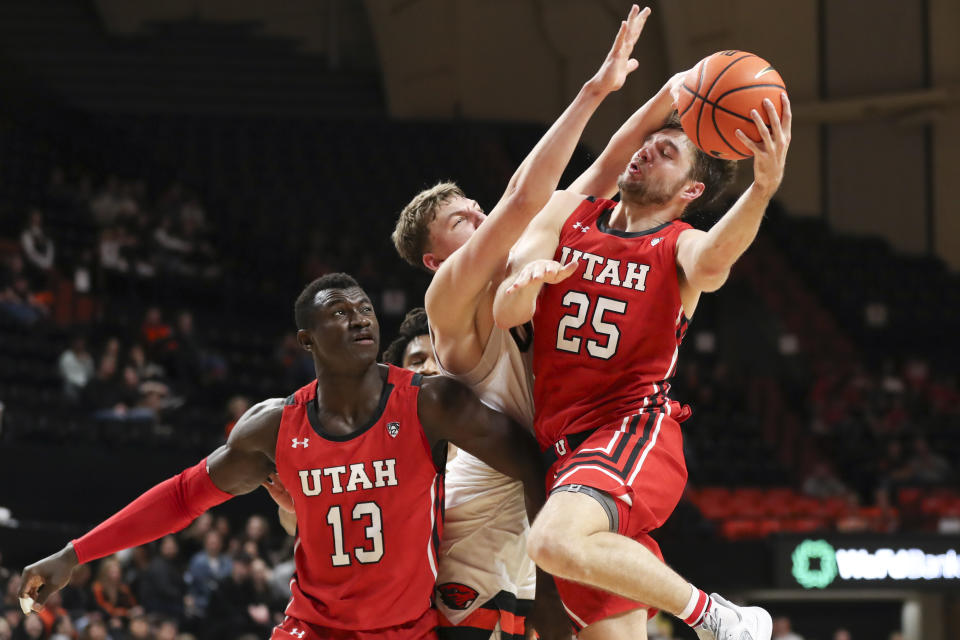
580,303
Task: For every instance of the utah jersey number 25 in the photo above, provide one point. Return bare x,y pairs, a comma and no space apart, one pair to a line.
580,303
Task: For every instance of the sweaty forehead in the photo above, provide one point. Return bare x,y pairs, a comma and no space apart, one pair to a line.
326,297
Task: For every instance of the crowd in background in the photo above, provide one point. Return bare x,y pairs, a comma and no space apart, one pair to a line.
208,581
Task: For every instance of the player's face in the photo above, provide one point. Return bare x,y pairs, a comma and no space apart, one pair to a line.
659,170
345,330
456,221
418,356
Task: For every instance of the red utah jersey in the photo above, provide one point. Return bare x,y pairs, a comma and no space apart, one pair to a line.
606,338
369,511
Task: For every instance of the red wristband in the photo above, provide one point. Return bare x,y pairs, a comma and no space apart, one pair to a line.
168,507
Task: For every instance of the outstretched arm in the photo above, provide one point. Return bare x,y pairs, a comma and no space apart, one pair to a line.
600,178
237,467
705,258
451,298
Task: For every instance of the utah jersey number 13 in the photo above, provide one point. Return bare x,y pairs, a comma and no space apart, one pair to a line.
575,320
374,534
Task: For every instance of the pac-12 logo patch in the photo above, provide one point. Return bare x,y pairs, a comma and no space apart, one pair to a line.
393,428
456,595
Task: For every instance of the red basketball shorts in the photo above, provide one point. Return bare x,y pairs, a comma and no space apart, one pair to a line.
639,462
423,628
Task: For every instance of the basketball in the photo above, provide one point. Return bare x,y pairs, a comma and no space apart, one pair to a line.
717,97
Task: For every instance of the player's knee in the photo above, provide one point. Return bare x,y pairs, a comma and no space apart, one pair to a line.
549,546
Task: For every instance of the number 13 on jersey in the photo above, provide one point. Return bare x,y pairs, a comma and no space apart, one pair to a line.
581,304
374,533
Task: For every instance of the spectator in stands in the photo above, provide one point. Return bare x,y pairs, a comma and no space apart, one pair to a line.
176,252
192,538
77,597
76,368
236,407
295,363
146,369
31,628
112,595
112,204
167,629
206,568
852,519
17,301
162,588
112,248
6,633
236,609
139,629
926,466
256,537
194,362
38,252
841,634
821,483
155,333
782,630
53,610
95,630
63,629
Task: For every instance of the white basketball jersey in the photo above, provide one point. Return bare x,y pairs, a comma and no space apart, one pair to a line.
484,543
503,381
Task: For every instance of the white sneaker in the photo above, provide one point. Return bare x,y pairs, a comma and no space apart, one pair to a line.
727,621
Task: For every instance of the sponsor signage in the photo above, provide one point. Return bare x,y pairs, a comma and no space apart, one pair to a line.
832,562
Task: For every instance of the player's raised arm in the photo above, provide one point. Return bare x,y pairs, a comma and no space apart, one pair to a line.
705,258
600,178
238,467
465,274
531,263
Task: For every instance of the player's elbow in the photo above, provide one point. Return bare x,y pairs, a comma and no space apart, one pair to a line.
707,278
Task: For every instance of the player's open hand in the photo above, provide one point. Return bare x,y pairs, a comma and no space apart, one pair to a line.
618,63
279,492
770,154
541,272
45,577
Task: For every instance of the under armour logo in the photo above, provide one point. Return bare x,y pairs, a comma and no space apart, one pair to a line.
300,443
583,228
393,428
298,633
655,242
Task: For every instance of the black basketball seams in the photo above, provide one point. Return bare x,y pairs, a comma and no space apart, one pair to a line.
712,85
724,70
695,92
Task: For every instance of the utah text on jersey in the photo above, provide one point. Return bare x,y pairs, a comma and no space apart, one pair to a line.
382,472
634,276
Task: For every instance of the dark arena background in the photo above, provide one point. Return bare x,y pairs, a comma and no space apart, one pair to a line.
173,172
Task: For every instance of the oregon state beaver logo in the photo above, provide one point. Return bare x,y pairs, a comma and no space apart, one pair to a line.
456,595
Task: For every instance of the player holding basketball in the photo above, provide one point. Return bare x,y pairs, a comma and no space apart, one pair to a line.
484,567
622,280
361,450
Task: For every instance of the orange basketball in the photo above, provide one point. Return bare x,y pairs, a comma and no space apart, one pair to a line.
717,97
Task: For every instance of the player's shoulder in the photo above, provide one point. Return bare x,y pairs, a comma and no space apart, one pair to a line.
561,205
259,425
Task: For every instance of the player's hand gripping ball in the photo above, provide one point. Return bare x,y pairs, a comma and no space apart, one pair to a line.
716,98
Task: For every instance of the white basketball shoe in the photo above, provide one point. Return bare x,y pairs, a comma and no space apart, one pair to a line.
727,621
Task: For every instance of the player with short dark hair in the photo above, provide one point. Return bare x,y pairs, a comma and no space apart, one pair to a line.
622,281
361,450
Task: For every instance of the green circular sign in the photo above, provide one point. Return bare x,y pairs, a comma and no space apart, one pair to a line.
814,578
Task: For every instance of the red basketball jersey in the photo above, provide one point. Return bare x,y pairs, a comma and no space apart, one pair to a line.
369,511
606,338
